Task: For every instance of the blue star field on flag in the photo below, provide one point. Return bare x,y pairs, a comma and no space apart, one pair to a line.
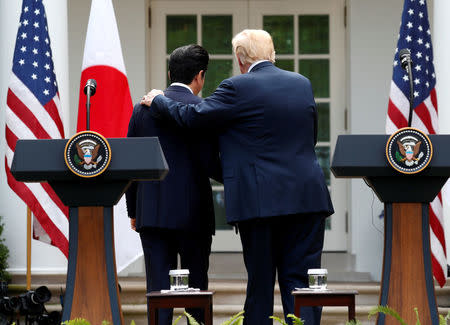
32,62
415,35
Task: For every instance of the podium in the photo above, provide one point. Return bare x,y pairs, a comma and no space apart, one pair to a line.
92,288
407,279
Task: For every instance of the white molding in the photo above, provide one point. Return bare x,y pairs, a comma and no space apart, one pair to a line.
38,271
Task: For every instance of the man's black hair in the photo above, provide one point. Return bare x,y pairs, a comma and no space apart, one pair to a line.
186,62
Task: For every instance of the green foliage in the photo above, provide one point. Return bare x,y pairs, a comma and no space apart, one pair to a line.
353,322
443,320
279,320
237,319
391,312
191,319
417,316
4,254
77,321
387,311
295,320
234,320
177,320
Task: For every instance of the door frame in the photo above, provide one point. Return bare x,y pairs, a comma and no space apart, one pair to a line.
249,14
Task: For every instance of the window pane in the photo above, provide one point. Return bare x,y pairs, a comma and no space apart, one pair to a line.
318,72
323,111
282,30
218,70
285,64
323,155
217,34
181,30
219,210
313,35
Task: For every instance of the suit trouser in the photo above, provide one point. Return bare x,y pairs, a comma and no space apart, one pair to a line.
161,247
289,245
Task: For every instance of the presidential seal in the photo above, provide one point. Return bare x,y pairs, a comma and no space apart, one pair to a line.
87,154
409,150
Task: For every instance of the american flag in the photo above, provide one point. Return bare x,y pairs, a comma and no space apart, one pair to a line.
415,35
33,112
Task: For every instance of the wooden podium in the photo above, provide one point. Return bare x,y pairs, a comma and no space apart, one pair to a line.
407,279
92,288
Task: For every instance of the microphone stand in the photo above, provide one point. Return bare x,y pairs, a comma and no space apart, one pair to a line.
88,106
411,93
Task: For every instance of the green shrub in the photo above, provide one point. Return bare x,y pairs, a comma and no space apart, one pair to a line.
295,320
234,320
76,321
391,312
4,255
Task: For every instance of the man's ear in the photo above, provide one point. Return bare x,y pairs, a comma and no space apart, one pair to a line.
239,60
168,74
201,74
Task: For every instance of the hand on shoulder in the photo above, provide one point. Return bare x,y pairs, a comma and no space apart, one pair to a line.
147,99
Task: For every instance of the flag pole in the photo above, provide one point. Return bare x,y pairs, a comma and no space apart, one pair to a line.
28,248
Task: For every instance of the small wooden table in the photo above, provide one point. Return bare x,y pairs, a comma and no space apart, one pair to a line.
307,297
180,299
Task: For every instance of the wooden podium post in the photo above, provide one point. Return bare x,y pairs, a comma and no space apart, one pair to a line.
92,288
407,279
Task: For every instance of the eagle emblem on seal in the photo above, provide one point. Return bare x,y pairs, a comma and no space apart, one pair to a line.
409,150
87,154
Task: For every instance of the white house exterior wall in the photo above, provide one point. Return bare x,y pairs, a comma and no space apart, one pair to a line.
441,48
372,29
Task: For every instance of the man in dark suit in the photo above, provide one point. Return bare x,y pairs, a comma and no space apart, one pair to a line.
176,215
275,190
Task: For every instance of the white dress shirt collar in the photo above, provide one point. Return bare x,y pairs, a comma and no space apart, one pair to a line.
254,64
181,85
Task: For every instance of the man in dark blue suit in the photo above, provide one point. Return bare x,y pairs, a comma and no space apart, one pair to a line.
176,216
275,190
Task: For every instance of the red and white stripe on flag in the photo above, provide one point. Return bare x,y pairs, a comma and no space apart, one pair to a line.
415,35
33,112
111,107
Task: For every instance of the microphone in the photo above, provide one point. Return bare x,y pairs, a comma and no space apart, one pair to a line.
91,85
405,58
89,90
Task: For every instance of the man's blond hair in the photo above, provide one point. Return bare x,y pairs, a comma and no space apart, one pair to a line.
252,45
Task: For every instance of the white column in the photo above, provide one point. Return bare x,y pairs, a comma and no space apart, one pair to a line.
441,47
45,258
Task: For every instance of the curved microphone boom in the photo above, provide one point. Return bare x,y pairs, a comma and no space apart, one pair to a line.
89,90
405,59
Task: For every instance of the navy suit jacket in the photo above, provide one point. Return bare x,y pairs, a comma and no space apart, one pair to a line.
268,123
183,200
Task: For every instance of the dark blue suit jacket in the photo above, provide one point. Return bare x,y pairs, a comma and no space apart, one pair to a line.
268,123
183,200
